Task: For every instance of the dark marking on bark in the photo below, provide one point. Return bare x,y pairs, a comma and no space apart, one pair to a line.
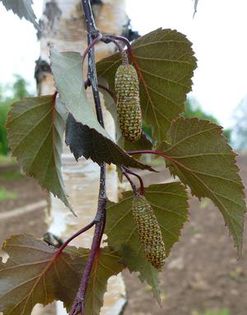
93,2
41,69
52,12
51,16
129,33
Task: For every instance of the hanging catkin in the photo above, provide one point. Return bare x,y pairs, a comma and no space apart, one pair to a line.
149,231
128,102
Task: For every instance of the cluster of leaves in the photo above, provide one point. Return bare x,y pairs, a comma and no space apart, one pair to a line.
195,151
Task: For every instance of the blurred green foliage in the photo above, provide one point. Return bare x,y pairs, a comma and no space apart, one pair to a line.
6,194
193,109
8,95
4,108
10,175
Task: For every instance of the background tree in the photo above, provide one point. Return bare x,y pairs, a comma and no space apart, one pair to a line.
194,109
9,94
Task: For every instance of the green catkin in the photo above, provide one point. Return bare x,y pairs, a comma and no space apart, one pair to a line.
149,231
128,102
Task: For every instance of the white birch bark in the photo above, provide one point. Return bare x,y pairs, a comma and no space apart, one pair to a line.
64,30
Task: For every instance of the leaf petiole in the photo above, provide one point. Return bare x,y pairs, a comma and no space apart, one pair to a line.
84,229
127,171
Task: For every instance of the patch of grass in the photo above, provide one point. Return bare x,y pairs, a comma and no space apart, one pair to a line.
11,175
223,311
7,195
6,160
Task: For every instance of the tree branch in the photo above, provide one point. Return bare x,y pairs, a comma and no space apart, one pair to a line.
100,218
90,23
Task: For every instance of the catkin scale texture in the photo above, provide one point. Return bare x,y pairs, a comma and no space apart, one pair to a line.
128,102
149,231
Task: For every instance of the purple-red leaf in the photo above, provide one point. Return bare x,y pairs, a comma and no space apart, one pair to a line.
36,273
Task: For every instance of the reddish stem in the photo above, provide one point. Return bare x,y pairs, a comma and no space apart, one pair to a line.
66,243
93,37
94,41
78,306
136,175
133,186
79,302
110,38
124,56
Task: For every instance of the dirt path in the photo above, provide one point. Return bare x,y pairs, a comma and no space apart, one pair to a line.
202,272
22,204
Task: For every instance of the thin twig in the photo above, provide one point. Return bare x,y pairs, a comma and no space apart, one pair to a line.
84,229
133,186
100,218
119,47
106,38
92,76
109,38
138,176
95,41
79,302
124,55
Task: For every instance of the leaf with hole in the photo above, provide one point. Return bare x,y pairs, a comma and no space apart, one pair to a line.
165,63
199,154
35,129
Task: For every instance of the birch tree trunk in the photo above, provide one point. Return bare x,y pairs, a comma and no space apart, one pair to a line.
64,29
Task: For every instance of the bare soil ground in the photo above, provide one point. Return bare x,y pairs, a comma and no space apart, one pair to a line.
202,272
23,191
